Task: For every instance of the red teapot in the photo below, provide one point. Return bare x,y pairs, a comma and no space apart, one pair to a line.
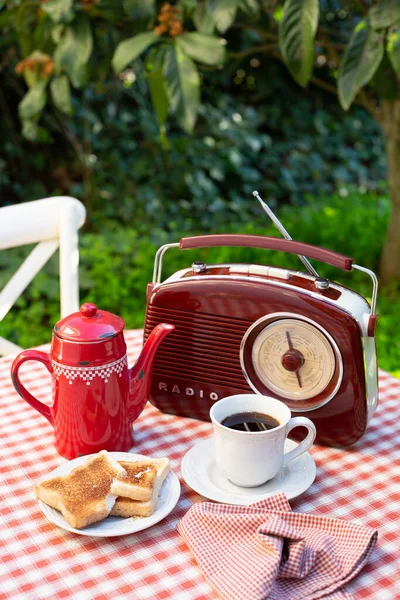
96,397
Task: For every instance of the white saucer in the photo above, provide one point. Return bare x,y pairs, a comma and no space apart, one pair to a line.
113,526
201,473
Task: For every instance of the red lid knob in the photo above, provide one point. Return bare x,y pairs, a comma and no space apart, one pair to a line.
88,309
89,325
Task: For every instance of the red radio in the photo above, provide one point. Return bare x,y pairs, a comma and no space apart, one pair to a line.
243,328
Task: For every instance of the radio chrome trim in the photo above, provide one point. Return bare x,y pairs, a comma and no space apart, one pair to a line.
177,276
374,285
285,315
158,261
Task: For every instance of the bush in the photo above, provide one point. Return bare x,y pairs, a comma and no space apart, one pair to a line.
117,264
245,139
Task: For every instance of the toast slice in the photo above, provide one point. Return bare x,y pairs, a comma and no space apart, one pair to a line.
84,495
127,507
139,480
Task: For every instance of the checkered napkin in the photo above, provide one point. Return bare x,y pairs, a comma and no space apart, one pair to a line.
267,551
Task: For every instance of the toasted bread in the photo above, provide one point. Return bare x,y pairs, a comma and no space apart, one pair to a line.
139,480
84,495
126,507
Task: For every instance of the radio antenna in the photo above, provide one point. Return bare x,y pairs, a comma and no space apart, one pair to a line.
284,232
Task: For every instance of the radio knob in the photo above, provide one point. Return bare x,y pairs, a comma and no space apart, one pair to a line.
321,283
199,267
292,360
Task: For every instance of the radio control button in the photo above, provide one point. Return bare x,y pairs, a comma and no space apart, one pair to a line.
199,267
259,270
279,273
239,269
321,283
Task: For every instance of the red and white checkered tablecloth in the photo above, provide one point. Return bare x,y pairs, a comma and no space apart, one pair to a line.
40,561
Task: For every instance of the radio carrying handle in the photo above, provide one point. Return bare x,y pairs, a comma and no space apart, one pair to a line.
268,243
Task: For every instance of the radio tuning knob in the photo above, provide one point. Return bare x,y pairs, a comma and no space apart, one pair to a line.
292,360
321,283
199,267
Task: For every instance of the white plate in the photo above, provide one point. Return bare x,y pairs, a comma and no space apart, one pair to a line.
201,473
112,526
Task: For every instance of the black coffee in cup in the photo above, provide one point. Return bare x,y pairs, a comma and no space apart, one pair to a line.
250,421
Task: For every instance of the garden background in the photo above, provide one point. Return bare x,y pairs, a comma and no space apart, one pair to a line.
150,171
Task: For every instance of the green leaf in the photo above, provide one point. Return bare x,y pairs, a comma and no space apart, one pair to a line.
158,93
34,100
360,62
384,82
131,48
206,49
202,19
61,94
30,130
34,133
296,37
30,77
393,48
183,86
60,11
74,50
384,14
250,7
56,33
223,13
24,23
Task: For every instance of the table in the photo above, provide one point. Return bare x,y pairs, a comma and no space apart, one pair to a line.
38,560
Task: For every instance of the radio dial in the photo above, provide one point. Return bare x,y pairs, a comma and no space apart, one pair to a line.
293,358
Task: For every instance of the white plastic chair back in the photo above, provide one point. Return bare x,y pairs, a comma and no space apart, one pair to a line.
50,223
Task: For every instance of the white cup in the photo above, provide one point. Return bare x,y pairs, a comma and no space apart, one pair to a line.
249,459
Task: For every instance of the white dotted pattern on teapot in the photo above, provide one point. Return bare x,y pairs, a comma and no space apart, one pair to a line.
89,373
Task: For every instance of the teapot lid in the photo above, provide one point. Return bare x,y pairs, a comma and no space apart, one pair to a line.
89,325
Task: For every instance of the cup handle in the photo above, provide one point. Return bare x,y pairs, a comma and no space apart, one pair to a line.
42,357
306,443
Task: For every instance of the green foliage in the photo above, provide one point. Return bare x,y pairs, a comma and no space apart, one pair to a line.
223,13
182,83
297,36
393,47
34,101
353,42
61,94
60,11
116,265
131,48
384,14
206,49
360,62
287,150
74,49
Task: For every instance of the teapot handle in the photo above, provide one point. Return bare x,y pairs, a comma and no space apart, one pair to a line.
42,357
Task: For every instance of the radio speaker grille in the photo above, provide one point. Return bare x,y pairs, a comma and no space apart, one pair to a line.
203,348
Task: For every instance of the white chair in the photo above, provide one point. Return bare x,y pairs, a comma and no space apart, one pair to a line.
50,223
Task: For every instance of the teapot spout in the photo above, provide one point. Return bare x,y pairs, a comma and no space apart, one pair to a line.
140,373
